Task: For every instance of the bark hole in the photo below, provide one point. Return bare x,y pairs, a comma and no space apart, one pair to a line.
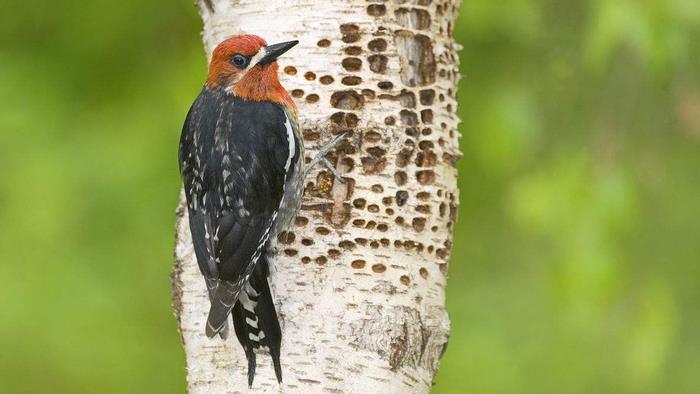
385,85
369,93
423,208
359,203
348,100
376,9
286,237
373,164
351,64
350,32
401,197
414,18
376,151
323,231
427,96
349,164
426,159
377,45
404,157
353,50
343,119
408,118
425,177
377,63
418,224
418,68
351,80
346,244
361,241
372,136
424,272
425,145
400,178
358,264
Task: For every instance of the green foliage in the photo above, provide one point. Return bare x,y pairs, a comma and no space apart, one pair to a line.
575,265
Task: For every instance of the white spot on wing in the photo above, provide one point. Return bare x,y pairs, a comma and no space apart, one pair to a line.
291,142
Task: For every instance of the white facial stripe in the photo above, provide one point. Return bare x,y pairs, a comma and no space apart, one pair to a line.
258,56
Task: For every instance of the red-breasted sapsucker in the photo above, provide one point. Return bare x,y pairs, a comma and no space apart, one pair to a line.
242,164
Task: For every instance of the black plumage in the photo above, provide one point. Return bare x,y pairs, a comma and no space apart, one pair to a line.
259,322
235,164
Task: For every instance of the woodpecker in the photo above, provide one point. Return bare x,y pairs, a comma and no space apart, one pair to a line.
242,164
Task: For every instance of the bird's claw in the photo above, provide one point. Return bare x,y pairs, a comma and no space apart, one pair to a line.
332,169
321,156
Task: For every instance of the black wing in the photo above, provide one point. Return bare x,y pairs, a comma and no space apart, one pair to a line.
233,156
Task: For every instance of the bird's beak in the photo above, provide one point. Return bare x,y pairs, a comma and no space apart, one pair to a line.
272,52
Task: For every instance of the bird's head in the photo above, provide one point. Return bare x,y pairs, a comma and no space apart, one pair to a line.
246,66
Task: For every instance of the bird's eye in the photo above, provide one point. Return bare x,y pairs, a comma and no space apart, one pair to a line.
239,61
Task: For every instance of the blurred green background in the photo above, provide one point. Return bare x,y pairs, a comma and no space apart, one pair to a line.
575,267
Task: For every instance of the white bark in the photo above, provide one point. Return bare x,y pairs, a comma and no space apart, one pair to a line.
359,282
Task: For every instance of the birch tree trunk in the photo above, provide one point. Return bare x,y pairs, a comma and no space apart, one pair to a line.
359,280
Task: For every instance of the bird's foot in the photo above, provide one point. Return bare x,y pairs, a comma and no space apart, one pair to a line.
320,157
332,169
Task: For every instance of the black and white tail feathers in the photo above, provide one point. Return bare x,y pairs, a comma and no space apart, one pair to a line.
255,320
211,289
222,300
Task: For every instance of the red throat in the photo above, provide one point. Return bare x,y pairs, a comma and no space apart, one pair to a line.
261,83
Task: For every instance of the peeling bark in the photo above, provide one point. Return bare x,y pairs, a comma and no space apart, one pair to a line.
359,279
